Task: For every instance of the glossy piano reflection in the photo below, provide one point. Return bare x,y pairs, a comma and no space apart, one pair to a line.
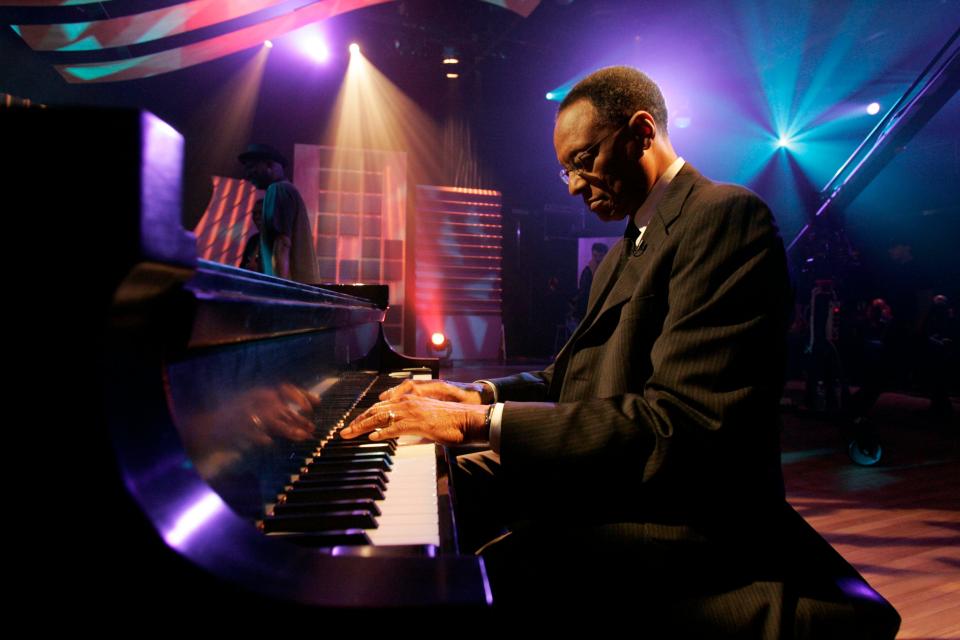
199,381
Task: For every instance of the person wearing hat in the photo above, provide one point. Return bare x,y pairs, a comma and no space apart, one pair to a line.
286,243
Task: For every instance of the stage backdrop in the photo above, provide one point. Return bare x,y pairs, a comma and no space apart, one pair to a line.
446,261
458,252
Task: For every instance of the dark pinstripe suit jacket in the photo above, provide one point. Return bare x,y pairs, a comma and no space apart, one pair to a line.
642,472
662,407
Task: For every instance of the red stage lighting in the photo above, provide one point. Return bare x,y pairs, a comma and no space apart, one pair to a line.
440,347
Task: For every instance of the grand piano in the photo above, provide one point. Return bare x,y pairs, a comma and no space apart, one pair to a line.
157,475
185,476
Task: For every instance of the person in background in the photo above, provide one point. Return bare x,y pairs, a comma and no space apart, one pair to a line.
250,258
286,242
598,252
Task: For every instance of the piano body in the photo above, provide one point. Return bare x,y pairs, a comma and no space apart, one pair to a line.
185,376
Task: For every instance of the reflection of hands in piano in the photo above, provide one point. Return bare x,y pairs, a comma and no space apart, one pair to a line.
283,412
448,423
466,392
254,418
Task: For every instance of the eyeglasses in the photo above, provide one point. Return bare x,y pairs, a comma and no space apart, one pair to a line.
581,160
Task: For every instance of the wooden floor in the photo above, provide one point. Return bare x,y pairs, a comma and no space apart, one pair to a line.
898,522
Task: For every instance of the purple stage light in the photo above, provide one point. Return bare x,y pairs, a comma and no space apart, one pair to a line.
858,589
317,48
268,44
873,108
194,516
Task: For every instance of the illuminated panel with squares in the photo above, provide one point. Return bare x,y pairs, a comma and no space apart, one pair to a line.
357,203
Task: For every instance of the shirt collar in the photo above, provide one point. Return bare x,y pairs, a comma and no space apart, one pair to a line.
649,206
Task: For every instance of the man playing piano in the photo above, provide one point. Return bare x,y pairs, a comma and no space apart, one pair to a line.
643,465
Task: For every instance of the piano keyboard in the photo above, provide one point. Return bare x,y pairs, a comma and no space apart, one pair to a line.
358,492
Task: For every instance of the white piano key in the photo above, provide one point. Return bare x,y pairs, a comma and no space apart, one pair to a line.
409,509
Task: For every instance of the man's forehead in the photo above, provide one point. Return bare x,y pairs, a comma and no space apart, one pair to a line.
575,127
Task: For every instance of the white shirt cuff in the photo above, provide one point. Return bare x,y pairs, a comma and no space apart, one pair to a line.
493,388
495,419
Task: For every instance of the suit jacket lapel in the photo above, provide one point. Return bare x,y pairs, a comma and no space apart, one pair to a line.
657,231
614,291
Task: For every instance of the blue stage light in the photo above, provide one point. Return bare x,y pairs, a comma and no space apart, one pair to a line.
549,95
873,108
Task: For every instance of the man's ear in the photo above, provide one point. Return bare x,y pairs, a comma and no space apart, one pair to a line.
643,128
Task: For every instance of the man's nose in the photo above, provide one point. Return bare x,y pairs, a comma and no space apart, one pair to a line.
576,183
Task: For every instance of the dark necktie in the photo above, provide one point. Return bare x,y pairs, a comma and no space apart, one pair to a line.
630,235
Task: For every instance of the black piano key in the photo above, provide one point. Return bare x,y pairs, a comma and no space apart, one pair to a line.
325,539
335,521
352,454
362,445
359,492
308,508
337,481
344,474
336,464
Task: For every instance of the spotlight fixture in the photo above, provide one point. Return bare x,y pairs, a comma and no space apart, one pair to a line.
783,142
268,44
453,75
450,55
439,346
354,48
873,108
558,94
